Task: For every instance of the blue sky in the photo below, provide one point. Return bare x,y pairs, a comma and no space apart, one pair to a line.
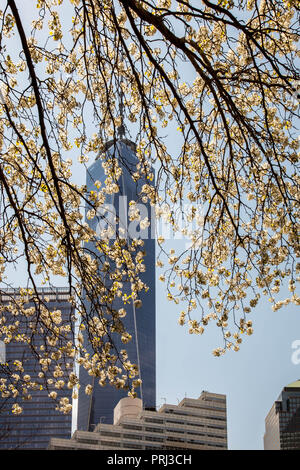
252,378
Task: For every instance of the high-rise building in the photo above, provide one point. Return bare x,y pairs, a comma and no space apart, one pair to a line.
138,322
40,419
283,420
193,424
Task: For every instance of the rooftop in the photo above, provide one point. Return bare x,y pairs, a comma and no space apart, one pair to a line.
295,384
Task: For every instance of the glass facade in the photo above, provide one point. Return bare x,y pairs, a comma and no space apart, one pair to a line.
139,322
289,411
39,420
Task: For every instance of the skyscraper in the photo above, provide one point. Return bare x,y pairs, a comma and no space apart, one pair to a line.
40,420
283,420
140,323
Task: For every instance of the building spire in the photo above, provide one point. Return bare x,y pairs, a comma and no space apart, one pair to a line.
121,128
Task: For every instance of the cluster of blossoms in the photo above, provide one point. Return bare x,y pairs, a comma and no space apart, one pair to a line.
232,112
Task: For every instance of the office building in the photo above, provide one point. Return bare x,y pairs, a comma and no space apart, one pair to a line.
193,424
138,322
40,420
282,424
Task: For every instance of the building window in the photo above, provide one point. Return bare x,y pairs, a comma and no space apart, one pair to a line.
151,420
180,431
132,446
86,441
174,422
154,430
136,428
154,438
176,439
110,434
132,436
110,443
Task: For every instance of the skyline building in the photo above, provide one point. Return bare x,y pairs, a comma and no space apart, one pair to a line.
139,322
282,423
193,424
40,420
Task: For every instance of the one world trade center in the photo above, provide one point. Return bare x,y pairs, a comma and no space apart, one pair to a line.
138,322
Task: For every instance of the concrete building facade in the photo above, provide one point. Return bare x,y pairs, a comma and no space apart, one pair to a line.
193,424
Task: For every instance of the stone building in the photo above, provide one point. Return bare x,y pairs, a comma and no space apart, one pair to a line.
199,424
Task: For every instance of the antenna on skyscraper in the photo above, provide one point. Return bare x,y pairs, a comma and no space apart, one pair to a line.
121,128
